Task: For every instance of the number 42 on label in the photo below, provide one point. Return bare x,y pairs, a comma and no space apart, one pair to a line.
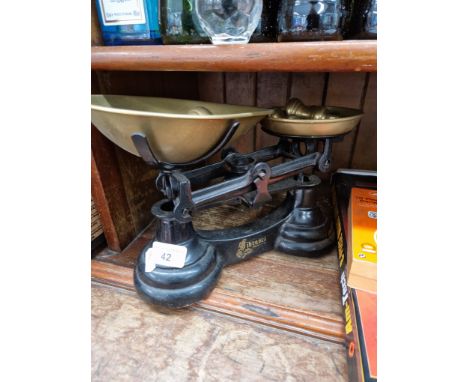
169,255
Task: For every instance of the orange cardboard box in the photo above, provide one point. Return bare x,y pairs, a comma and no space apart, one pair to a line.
362,246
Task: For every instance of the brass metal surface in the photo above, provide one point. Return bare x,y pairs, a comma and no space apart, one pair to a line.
338,120
295,108
178,130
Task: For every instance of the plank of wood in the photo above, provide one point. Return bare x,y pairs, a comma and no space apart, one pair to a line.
308,87
272,91
108,193
305,322
211,87
364,153
181,85
296,294
148,84
138,180
345,89
133,341
319,56
241,90
96,226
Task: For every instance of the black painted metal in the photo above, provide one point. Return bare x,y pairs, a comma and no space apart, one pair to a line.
178,287
240,243
299,226
308,229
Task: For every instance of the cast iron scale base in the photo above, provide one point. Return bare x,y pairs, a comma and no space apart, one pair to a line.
299,226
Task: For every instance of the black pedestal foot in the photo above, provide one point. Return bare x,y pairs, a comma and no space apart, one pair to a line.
308,230
178,287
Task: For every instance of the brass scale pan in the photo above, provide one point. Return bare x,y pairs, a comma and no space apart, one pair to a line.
182,130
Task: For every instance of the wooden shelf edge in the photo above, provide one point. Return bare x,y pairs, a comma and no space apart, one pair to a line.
329,56
280,317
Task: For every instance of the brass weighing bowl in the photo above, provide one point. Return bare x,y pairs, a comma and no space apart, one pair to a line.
178,131
342,120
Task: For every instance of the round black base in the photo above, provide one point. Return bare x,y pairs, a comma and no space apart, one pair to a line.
179,287
301,246
309,230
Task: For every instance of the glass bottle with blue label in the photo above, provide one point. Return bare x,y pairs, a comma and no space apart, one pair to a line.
306,20
129,22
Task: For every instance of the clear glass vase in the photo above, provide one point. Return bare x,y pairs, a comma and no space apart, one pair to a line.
228,21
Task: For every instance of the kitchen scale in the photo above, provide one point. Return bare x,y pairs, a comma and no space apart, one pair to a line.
178,137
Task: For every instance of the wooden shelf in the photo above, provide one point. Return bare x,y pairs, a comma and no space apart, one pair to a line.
134,341
300,295
334,56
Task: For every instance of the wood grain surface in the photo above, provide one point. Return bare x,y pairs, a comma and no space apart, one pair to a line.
211,87
347,90
273,91
241,90
140,190
364,153
308,87
108,193
297,294
131,341
317,56
96,226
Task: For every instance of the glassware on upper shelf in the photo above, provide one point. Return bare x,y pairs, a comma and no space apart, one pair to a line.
228,21
308,20
179,24
364,20
129,22
267,27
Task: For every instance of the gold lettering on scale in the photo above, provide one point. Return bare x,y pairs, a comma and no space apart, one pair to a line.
247,247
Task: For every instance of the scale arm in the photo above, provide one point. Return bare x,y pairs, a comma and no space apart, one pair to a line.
253,186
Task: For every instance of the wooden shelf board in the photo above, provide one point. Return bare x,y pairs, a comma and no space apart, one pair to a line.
132,341
329,56
300,295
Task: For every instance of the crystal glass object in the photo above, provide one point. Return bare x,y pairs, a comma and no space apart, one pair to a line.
130,22
229,21
308,20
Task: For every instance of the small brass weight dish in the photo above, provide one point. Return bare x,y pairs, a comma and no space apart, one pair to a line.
181,265
299,120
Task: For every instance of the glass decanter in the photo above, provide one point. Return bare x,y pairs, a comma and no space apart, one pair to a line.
228,21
